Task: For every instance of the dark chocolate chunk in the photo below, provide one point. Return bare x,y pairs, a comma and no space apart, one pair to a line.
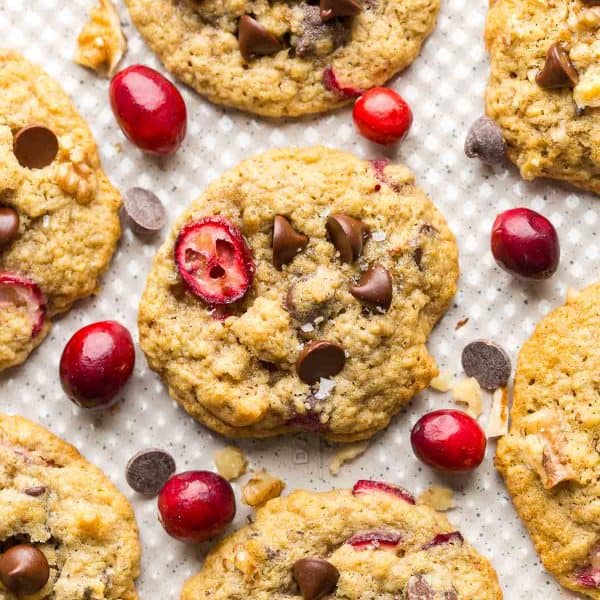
488,363
35,146
24,569
558,70
148,471
330,9
255,39
486,142
347,235
287,242
315,577
374,288
318,359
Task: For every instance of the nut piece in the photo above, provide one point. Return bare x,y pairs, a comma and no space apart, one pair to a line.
101,44
587,92
231,462
76,169
441,383
261,488
497,425
467,391
437,497
346,454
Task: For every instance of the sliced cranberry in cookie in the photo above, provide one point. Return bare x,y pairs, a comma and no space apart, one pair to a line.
375,540
590,578
214,260
332,83
366,486
17,290
454,537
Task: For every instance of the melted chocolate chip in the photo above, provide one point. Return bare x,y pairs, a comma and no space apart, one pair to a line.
35,491
35,146
558,70
314,32
9,225
315,577
347,235
418,588
287,242
330,9
374,288
318,359
488,363
24,569
255,39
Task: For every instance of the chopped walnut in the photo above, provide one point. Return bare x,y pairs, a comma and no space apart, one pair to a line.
346,454
261,488
467,391
243,561
441,383
437,497
76,170
497,425
101,44
231,462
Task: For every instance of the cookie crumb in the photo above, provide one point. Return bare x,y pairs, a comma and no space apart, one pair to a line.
468,391
460,324
441,383
437,497
572,295
497,425
231,462
261,488
346,454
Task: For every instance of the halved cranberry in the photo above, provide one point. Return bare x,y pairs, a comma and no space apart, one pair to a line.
17,290
589,577
448,440
331,82
366,486
307,422
214,260
384,540
454,537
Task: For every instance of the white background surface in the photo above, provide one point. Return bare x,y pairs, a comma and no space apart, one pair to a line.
445,88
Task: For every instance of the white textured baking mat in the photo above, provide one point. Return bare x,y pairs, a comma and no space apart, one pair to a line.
445,88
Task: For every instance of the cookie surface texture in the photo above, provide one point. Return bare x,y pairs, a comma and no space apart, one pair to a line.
55,500
550,459
236,368
301,63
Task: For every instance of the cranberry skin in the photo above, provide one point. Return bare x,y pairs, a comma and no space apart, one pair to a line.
149,109
525,244
196,506
96,363
449,441
382,116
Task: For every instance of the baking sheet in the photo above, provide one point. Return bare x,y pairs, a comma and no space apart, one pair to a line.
445,88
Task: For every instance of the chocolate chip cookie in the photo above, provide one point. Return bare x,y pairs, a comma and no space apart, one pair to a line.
280,58
544,87
66,532
297,293
59,221
550,460
368,542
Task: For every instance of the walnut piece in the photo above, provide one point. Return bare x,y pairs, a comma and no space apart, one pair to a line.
76,170
101,44
261,488
231,462
441,383
468,391
437,497
497,424
346,454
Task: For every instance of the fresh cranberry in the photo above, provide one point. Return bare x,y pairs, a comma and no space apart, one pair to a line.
332,83
17,290
382,116
149,109
96,363
214,260
454,537
525,244
366,486
448,440
196,505
375,539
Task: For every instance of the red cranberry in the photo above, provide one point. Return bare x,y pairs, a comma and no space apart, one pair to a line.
448,440
196,505
214,260
375,539
525,244
382,116
149,109
332,83
454,537
96,363
367,486
18,289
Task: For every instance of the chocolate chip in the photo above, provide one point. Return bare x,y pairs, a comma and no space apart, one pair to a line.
145,212
24,569
374,288
558,70
347,235
315,577
255,39
9,225
287,242
330,9
488,363
320,358
35,146
148,471
418,588
35,491
486,142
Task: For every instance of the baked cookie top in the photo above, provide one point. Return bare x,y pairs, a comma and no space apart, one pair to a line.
371,542
551,457
544,87
279,58
55,501
305,345
59,221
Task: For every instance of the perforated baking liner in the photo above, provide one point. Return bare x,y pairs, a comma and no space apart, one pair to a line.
445,88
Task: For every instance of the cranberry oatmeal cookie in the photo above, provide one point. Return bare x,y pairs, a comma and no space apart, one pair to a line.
544,87
551,457
298,293
66,533
279,58
371,542
59,221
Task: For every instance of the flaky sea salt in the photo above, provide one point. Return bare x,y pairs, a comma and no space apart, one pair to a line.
378,236
325,388
307,327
